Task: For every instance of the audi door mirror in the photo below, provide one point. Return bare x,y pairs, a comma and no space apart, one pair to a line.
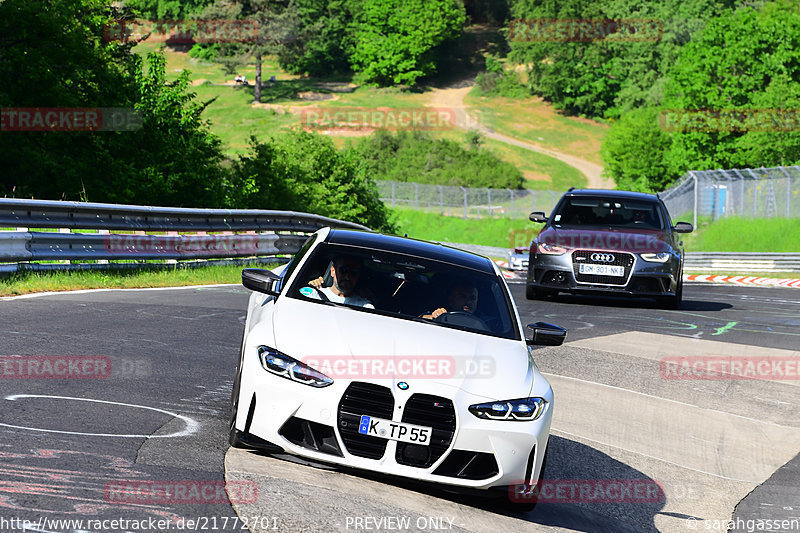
538,216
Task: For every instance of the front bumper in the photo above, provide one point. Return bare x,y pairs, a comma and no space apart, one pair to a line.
320,424
560,273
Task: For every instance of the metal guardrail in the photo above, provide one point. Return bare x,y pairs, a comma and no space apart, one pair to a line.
261,237
742,262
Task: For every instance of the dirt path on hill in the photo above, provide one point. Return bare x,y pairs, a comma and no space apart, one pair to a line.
453,97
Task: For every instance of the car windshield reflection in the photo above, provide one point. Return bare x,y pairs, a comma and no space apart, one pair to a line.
608,213
410,288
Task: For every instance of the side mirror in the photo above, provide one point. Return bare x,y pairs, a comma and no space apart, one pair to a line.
683,227
538,216
261,280
545,334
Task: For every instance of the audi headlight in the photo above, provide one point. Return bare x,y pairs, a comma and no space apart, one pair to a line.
290,368
518,410
551,249
660,257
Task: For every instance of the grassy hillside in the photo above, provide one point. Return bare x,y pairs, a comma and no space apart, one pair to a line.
235,118
535,121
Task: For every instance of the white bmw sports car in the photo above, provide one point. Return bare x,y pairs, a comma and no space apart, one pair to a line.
395,356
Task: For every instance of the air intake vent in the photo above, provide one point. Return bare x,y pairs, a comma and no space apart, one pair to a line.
364,399
430,411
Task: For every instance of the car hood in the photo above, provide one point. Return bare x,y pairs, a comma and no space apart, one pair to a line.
623,240
347,343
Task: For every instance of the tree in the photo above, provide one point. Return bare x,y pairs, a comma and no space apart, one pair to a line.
172,159
276,23
167,9
323,41
590,69
419,157
634,152
304,171
395,41
744,65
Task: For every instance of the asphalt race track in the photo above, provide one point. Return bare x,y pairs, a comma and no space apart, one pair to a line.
147,408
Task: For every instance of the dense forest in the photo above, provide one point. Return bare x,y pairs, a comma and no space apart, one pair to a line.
664,74
668,93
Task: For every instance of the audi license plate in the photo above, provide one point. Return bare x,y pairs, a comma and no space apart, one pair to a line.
387,429
601,270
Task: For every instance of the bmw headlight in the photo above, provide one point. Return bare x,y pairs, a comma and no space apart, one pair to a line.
550,249
660,257
518,410
290,368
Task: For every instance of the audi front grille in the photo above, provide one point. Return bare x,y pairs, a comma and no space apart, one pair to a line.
623,259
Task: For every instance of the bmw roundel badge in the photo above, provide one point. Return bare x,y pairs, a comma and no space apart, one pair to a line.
402,385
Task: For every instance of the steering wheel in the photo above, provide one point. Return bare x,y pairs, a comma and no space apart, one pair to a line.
461,318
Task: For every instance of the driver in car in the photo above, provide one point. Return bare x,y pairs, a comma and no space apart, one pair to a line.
345,272
463,296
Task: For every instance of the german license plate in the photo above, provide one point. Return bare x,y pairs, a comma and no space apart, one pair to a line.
399,431
601,270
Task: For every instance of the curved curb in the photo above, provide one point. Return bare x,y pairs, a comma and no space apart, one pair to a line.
744,281
750,281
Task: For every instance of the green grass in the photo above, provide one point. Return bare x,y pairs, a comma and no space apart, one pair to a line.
726,235
532,120
32,282
541,171
733,234
501,232
234,117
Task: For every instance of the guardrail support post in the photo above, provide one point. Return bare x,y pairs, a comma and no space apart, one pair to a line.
696,189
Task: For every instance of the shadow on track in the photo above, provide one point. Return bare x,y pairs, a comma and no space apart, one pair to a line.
570,465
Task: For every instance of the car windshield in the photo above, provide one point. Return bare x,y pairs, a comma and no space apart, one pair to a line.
406,287
608,213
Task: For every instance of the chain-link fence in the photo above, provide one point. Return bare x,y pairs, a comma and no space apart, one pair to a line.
467,202
753,193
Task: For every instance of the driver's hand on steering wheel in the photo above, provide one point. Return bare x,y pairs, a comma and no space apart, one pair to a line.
436,313
316,283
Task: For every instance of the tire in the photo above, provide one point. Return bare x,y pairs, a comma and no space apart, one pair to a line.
673,302
533,294
234,435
